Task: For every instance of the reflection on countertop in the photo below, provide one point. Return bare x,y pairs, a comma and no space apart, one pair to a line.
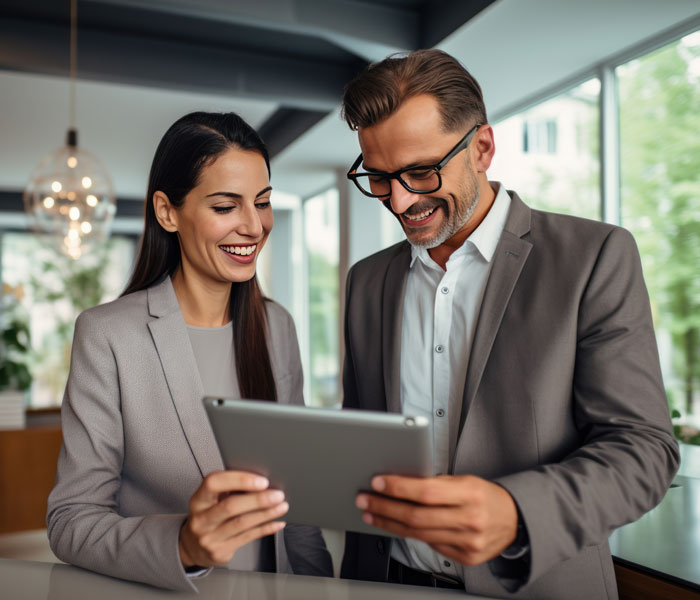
665,542
44,581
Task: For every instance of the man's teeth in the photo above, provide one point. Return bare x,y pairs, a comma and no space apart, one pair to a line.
240,250
419,216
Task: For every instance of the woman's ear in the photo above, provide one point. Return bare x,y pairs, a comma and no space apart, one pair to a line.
165,212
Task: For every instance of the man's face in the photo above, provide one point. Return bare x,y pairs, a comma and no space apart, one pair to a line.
413,136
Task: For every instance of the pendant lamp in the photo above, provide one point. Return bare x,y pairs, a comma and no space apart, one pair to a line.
69,198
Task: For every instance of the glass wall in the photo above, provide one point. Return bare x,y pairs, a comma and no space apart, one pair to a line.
548,154
659,99
48,291
321,237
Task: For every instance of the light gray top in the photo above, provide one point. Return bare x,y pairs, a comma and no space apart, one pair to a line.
214,355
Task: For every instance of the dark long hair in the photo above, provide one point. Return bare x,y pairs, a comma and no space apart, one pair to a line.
192,143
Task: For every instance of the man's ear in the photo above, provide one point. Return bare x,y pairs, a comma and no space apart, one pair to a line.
165,212
484,148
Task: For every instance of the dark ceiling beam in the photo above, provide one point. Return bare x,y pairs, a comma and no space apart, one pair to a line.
11,201
285,125
41,47
370,31
440,18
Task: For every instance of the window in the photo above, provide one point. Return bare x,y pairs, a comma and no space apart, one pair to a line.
659,97
54,290
549,153
322,251
540,136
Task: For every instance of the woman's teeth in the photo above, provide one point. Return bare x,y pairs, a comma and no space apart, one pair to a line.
419,216
240,250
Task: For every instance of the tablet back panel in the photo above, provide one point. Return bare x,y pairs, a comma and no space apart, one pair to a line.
321,458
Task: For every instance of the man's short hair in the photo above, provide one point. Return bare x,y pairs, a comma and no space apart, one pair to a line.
377,92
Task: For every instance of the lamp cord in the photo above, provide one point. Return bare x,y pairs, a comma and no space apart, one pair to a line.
73,57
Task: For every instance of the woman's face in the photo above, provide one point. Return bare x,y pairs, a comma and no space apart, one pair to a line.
225,220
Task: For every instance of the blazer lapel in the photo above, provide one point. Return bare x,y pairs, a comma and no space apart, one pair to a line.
508,261
392,315
170,337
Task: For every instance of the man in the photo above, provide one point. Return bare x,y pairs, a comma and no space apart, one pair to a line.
525,336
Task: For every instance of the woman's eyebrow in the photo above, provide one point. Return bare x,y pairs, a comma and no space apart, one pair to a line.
237,196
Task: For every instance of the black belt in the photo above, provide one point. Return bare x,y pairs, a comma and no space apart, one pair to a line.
399,573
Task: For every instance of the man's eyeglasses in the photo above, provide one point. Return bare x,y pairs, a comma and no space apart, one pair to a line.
418,180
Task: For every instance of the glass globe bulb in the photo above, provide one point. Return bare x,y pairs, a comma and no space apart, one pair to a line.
70,200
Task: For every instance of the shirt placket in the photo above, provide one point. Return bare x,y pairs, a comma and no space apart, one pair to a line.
442,321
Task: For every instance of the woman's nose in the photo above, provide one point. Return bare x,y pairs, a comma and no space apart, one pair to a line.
250,224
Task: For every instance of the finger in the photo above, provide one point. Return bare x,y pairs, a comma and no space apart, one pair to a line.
214,484
444,490
239,504
418,516
221,552
443,536
243,523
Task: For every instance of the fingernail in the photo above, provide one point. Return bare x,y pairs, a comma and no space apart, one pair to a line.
281,525
276,496
367,518
284,507
378,484
361,502
261,483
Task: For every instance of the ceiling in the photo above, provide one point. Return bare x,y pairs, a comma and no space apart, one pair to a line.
281,64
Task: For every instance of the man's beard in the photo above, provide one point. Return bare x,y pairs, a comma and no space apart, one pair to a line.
454,221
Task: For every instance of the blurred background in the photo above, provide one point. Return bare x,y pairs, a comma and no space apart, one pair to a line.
595,108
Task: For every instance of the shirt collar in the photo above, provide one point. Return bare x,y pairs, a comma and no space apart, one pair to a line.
485,237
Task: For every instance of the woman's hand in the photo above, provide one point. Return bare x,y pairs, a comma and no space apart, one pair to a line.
230,509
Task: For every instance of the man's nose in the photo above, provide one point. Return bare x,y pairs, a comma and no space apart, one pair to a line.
250,224
401,199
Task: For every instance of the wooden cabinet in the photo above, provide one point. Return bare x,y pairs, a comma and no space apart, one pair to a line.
27,472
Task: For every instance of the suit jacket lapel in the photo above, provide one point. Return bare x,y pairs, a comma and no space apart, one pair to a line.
180,368
508,261
392,315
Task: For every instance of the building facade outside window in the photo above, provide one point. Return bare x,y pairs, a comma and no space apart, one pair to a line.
549,153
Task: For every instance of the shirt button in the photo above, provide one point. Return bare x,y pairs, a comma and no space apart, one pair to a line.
445,290
440,413
447,563
439,349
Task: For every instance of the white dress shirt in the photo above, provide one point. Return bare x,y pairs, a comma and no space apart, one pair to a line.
440,311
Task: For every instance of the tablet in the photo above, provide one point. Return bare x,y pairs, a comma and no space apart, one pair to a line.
320,457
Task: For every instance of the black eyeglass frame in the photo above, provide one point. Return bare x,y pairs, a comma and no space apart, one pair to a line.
461,145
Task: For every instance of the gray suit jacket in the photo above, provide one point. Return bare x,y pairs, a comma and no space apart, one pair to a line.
564,405
137,442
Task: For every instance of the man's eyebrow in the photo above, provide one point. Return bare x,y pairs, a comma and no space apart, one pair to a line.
422,163
236,196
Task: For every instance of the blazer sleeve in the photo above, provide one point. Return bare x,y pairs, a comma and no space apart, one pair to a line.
350,397
628,455
83,520
305,546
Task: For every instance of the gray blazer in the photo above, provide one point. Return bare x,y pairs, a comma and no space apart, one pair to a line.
563,406
137,442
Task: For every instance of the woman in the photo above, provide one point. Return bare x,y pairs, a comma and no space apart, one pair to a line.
140,492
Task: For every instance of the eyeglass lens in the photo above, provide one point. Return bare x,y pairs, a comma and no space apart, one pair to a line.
419,180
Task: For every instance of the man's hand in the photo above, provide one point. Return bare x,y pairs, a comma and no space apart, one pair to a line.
463,517
230,509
